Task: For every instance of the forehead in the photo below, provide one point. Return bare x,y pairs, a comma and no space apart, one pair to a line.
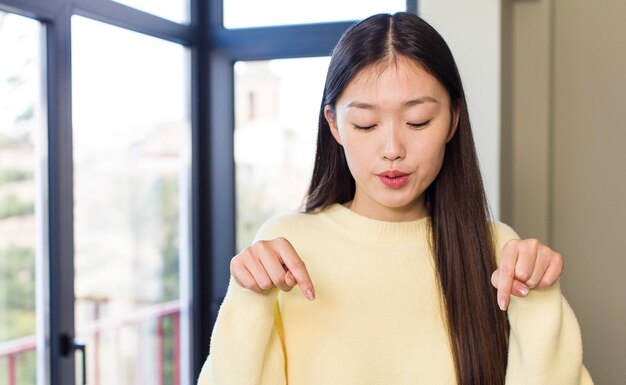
391,82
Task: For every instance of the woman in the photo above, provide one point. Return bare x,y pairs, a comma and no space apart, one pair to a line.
396,203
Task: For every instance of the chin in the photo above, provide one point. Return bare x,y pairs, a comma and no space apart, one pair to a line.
408,198
397,203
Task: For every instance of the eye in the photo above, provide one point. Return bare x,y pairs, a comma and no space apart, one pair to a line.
364,128
419,125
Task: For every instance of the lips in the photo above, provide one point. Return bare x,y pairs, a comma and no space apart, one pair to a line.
392,173
394,178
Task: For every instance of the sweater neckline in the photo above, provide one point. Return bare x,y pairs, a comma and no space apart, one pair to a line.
375,229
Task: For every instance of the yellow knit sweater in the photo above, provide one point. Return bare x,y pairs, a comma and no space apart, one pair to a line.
377,317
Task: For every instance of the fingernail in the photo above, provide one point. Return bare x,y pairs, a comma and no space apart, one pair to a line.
523,291
502,304
310,295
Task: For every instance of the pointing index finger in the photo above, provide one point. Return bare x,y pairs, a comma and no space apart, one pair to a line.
296,266
506,273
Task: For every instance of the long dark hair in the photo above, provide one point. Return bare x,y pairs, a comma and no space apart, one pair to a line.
461,236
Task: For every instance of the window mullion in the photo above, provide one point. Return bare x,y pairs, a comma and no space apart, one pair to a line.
60,208
126,17
278,42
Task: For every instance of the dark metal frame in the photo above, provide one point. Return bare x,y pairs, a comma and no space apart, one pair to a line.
213,52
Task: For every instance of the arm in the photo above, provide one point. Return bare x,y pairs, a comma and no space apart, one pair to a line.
246,345
545,344
247,340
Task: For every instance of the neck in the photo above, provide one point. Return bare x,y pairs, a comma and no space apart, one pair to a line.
411,212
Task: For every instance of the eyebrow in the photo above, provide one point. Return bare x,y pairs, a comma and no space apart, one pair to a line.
408,103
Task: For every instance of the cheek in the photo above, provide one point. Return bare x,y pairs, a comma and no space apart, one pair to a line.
437,163
430,158
356,159
356,150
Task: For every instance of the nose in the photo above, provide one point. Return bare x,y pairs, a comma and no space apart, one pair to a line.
393,144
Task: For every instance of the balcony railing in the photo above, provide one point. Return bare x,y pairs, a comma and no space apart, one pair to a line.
92,331
10,350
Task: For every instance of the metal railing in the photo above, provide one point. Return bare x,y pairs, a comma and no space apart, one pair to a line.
92,331
10,350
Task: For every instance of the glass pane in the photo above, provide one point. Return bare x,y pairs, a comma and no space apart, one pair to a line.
175,10
253,13
276,113
131,141
20,127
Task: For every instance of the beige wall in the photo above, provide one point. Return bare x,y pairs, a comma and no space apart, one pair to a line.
471,26
564,156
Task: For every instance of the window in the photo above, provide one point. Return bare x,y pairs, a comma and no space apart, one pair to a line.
276,113
175,10
20,131
131,135
251,13
130,180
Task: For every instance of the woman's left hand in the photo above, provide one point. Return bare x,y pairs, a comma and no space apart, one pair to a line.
525,264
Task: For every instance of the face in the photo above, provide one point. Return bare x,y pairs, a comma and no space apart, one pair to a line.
393,121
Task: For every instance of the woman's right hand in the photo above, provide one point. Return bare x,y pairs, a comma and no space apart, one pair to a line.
266,264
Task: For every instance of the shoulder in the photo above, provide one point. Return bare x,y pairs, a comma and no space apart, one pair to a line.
283,225
502,233
299,228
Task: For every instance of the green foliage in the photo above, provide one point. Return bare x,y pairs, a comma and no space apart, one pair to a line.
14,175
170,249
168,351
26,115
17,293
27,368
170,273
11,206
17,309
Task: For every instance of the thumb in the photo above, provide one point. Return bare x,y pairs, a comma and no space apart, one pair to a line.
494,279
519,289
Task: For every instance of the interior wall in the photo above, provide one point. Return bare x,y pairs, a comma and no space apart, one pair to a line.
545,82
472,30
567,158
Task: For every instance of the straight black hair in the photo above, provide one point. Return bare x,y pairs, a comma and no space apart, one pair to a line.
461,238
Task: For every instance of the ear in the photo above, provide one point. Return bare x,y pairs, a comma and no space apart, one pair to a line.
330,116
454,124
